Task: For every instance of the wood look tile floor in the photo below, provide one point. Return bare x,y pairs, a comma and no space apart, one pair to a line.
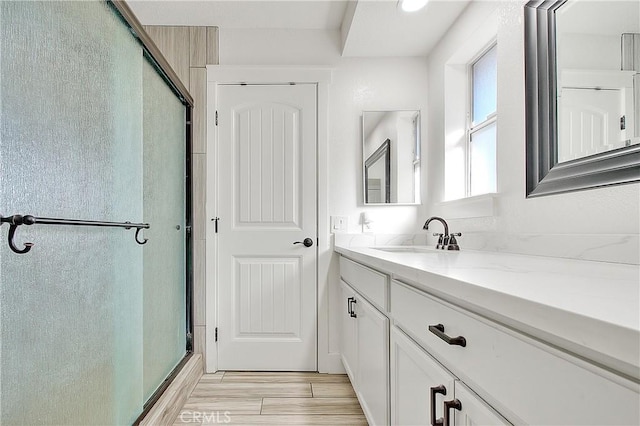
255,398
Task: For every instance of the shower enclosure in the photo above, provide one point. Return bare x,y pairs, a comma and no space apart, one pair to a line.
94,133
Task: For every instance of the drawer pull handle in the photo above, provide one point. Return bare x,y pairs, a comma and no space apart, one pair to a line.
438,330
350,302
448,405
433,391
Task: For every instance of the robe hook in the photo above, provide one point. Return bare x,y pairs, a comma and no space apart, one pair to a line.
144,240
12,246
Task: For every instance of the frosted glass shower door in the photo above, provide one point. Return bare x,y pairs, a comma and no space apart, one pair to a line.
164,206
91,323
70,147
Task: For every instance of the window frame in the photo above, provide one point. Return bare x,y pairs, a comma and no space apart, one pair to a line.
470,128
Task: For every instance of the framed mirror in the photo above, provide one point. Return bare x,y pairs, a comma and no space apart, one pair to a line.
582,88
391,157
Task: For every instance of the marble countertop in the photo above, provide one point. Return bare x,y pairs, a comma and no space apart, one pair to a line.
591,309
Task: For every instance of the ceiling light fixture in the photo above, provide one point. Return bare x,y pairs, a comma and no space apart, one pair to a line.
412,5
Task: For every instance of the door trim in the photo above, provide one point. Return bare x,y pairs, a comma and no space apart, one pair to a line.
327,362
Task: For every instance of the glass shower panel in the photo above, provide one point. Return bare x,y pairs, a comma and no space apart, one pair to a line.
164,207
70,147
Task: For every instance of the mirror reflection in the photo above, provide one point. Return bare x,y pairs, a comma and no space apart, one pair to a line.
391,157
598,77
377,175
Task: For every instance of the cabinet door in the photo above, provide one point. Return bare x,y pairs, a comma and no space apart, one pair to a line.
373,362
472,410
348,328
413,374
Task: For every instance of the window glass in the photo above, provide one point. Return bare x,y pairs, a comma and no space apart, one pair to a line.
482,167
484,75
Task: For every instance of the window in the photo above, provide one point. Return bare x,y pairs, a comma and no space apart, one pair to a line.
470,99
481,128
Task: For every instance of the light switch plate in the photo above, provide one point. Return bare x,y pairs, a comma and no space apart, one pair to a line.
339,224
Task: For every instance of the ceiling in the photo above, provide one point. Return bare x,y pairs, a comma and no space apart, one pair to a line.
370,28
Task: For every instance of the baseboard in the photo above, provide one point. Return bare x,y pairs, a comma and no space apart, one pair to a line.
332,364
167,408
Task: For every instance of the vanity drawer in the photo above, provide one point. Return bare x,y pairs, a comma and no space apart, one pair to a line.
527,381
371,284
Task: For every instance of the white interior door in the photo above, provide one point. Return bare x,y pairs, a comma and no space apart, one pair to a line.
589,122
267,201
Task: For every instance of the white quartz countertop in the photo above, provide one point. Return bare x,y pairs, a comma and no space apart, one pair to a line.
591,309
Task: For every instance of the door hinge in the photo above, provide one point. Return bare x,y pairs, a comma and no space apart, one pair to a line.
623,122
215,224
216,334
216,118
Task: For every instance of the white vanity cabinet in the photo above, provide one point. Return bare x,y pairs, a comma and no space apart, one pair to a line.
372,330
472,410
526,380
419,384
422,390
404,346
349,338
365,339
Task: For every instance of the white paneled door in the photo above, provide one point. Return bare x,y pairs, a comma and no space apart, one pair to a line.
266,204
590,122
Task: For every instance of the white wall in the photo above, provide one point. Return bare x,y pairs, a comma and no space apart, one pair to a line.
278,47
386,128
589,51
589,32
368,84
568,224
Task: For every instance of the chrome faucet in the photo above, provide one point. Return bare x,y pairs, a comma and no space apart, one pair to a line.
445,240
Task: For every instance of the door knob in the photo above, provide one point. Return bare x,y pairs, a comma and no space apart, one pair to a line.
308,242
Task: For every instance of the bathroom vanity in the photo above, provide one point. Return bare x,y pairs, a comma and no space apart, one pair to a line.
440,337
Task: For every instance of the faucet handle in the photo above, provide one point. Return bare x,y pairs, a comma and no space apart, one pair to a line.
453,243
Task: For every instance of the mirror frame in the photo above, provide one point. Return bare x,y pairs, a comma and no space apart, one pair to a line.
384,150
545,175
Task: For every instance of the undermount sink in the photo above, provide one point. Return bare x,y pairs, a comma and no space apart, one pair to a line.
407,249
